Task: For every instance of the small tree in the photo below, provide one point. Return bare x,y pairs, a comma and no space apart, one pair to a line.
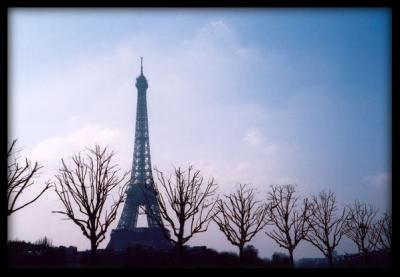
326,227
250,255
280,260
359,227
19,178
288,221
44,243
186,205
84,188
240,217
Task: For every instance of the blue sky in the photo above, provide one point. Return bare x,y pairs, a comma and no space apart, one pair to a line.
254,95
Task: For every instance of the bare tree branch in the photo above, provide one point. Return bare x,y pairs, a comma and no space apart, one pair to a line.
359,227
19,178
381,237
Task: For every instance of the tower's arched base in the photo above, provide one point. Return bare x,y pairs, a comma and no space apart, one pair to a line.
122,239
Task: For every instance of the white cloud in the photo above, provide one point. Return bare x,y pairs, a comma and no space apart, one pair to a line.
288,180
268,149
51,150
253,137
379,180
212,35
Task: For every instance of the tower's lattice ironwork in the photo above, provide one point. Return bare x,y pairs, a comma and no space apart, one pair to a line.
140,194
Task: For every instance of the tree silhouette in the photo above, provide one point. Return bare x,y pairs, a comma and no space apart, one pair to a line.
382,233
84,188
19,178
289,223
240,217
359,227
186,205
326,226
44,243
280,260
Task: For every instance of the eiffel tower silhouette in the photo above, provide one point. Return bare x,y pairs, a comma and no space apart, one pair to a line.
141,198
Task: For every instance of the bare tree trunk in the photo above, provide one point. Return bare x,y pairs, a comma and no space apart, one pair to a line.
291,257
93,241
241,258
366,258
180,241
330,258
93,249
180,253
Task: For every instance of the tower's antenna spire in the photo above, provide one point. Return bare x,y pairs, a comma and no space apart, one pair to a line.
141,65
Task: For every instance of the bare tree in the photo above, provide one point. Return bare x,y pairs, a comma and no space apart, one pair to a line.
382,233
84,188
288,221
359,227
326,226
240,217
186,205
19,178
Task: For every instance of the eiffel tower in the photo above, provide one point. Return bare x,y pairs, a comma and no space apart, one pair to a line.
141,198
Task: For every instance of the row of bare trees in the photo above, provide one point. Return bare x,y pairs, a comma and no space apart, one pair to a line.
188,204
317,220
